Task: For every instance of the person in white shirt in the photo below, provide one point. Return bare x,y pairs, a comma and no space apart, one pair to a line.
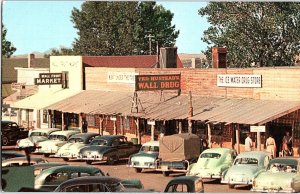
248,143
271,146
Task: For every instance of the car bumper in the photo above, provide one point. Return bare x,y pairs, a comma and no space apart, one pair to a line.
66,155
236,182
273,190
47,151
142,166
92,158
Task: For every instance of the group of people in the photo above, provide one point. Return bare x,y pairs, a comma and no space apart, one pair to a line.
286,146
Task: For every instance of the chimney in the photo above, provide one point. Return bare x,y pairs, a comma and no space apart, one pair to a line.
219,57
30,58
168,57
193,63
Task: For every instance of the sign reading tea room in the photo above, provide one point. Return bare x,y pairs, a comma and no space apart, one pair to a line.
157,82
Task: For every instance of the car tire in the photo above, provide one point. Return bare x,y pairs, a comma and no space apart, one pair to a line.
46,155
166,173
231,186
88,161
5,141
66,159
138,170
111,160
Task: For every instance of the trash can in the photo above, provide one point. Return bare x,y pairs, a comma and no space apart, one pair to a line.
134,140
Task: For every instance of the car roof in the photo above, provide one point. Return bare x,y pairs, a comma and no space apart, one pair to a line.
185,179
70,169
254,154
151,143
45,130
109,137
84,135
217,150
286,160
67,132
23,158
91,179
4,122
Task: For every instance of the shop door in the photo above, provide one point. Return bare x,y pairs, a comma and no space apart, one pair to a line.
278,131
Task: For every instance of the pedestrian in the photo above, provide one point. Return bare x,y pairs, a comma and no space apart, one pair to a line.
84,125
287,144
271,146
248,143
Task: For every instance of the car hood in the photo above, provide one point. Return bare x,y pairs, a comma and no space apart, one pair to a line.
153,155
33,139
207,163
270,179
72,146
243,170
95,148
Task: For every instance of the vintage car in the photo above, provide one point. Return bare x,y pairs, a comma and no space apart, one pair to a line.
282,175
71,149
145,158
54,142
109,148
50,178
35,136
38,168
99,184
185,184
245,167
11,132
7,154
22,161
212,163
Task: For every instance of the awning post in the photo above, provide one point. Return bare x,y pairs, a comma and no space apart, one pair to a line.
115,127
152,132
62,121
180,127
100,125
258,141
138,131
209,135
80,122
237,133
19,116
121,125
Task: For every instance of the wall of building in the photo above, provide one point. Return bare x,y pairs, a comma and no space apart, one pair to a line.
71,64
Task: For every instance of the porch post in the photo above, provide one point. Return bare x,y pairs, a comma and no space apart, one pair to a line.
62,121
80,122
237,134
180,127
209,135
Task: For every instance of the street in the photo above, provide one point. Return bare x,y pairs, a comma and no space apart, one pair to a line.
150,179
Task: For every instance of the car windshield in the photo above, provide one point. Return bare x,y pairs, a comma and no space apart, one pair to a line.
149,149
75,140
280,167
252,161
38,134
99,142
58,137
210,155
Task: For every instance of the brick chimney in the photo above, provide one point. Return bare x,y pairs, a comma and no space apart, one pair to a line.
219,57
30,58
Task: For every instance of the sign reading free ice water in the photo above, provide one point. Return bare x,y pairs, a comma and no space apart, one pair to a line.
257,128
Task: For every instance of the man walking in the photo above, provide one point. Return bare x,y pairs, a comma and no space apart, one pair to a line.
271,146
248,143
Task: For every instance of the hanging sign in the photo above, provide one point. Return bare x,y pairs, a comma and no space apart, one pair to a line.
151,122
48,79
257,128
243,81
157,82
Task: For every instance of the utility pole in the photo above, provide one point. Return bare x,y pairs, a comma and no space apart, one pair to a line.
150,39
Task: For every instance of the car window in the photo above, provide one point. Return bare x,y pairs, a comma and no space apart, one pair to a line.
210,155
247,161
77,188
99,142
178,188
116,142
56,178
99,188
75,140
79,174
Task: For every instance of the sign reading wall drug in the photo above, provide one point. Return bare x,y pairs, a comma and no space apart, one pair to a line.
48,79
243,81
157,82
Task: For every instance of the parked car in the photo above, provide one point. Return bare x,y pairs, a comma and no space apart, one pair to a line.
99,184
54,142
212,163
11,132
35,136
71,149
245,167
38,168
145,158
185,184
108,148
7,154
22,161
282,175
50,178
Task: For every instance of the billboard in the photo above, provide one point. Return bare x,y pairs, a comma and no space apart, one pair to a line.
157,82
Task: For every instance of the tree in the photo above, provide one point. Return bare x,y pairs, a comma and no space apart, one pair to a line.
7,48
260,33
120,28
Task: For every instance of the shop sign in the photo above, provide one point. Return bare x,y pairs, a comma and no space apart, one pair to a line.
157,82
151,122
121,77
257,128
243,81
48,79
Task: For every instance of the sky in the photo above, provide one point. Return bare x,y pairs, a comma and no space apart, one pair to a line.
38,26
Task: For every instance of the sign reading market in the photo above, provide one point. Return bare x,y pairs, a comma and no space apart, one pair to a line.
157,82
236,80
48,79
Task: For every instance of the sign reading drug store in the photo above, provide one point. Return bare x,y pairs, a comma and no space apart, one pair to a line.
157,82
236,80
48,79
